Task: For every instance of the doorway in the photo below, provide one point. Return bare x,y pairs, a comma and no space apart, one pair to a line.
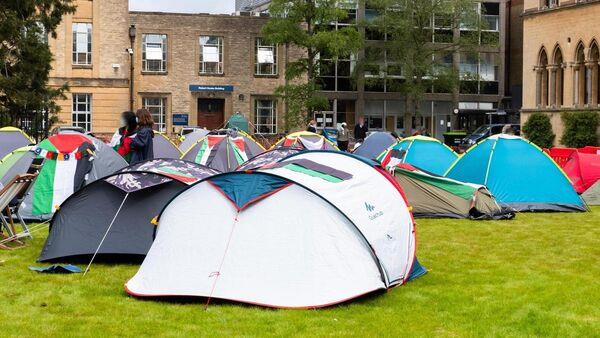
211,113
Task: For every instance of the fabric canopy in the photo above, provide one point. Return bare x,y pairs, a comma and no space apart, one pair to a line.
426,153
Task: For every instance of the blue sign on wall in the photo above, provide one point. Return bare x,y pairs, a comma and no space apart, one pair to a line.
210,88
181,119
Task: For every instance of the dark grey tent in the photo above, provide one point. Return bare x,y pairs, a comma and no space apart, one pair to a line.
268,157
113,216
190,139
12,139
164,148
223,150
375,144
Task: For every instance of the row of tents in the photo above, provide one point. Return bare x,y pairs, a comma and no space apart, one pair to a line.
301,225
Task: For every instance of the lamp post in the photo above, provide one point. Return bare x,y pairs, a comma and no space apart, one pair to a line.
132,33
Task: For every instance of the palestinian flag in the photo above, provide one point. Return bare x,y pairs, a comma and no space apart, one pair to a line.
207,147
239,148
67,161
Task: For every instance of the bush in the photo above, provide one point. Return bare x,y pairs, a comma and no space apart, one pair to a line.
538,130
580,129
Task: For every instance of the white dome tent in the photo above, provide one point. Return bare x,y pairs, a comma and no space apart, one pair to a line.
300,234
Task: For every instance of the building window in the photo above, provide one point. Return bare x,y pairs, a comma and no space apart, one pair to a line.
266,58
265,117
211,55
82,111
157,106
82,43
154,53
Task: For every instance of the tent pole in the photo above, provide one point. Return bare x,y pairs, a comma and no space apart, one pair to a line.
105,234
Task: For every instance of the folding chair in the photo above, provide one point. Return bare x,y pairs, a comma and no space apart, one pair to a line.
11,197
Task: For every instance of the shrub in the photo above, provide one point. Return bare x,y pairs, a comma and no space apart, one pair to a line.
538,130
580,129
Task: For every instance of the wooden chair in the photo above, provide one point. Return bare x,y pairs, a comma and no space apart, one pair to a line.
11,197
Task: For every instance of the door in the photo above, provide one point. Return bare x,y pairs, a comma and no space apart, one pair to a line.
211,113
390,123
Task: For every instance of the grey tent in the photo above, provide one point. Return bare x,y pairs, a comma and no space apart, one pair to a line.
164,148
99,160
11,139
191,138
223,150
121,208
375,144
16,163
435,196
267,158
592,195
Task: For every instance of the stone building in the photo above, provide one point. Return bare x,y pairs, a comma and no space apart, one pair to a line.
561,57
188,69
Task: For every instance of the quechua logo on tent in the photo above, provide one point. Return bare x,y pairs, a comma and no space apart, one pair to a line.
373,214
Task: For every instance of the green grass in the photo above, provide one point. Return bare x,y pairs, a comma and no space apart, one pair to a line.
537,275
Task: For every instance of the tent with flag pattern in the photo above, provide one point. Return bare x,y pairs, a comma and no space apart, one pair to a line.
223,150
71,160
113,216
305,140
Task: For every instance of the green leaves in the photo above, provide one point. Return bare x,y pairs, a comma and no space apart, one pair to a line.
538,130
580,129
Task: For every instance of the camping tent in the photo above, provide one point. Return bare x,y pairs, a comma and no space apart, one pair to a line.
592,195
518,173
120,208
15,163
583,168
71,160
435,196
238,121
375,144
267,158
165,148
188,140
318,229
423,152
223,150
13,138
305,140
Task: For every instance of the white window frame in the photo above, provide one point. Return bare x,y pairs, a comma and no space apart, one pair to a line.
81,57
271,123
205,65
158,111
76,121
271,66
149,66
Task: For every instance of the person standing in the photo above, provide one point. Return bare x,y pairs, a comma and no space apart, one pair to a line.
312,126
343,137
142,144
360,130
121,140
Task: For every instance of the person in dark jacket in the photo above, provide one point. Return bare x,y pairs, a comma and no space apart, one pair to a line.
142,145
361,129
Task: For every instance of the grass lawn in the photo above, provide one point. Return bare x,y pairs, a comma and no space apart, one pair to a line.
537,275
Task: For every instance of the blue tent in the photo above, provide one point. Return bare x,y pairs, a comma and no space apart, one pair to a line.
519,174
423,152
374,144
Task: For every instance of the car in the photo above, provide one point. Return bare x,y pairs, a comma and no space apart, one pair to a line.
484,132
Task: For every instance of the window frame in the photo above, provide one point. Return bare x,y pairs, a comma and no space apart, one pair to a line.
75,54
202,65
272,125
146,68
258,44
160,118
75,112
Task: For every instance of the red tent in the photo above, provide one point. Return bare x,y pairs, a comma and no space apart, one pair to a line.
581,165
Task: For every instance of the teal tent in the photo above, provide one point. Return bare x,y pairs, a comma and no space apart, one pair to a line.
519,174
423,152
238,121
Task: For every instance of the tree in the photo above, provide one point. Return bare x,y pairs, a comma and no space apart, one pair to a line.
305,25
580,129
25,58
538,130
424,39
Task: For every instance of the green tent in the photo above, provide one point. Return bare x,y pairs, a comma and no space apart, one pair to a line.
434,196
238,121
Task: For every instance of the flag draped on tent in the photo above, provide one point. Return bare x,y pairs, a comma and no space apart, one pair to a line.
67,162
